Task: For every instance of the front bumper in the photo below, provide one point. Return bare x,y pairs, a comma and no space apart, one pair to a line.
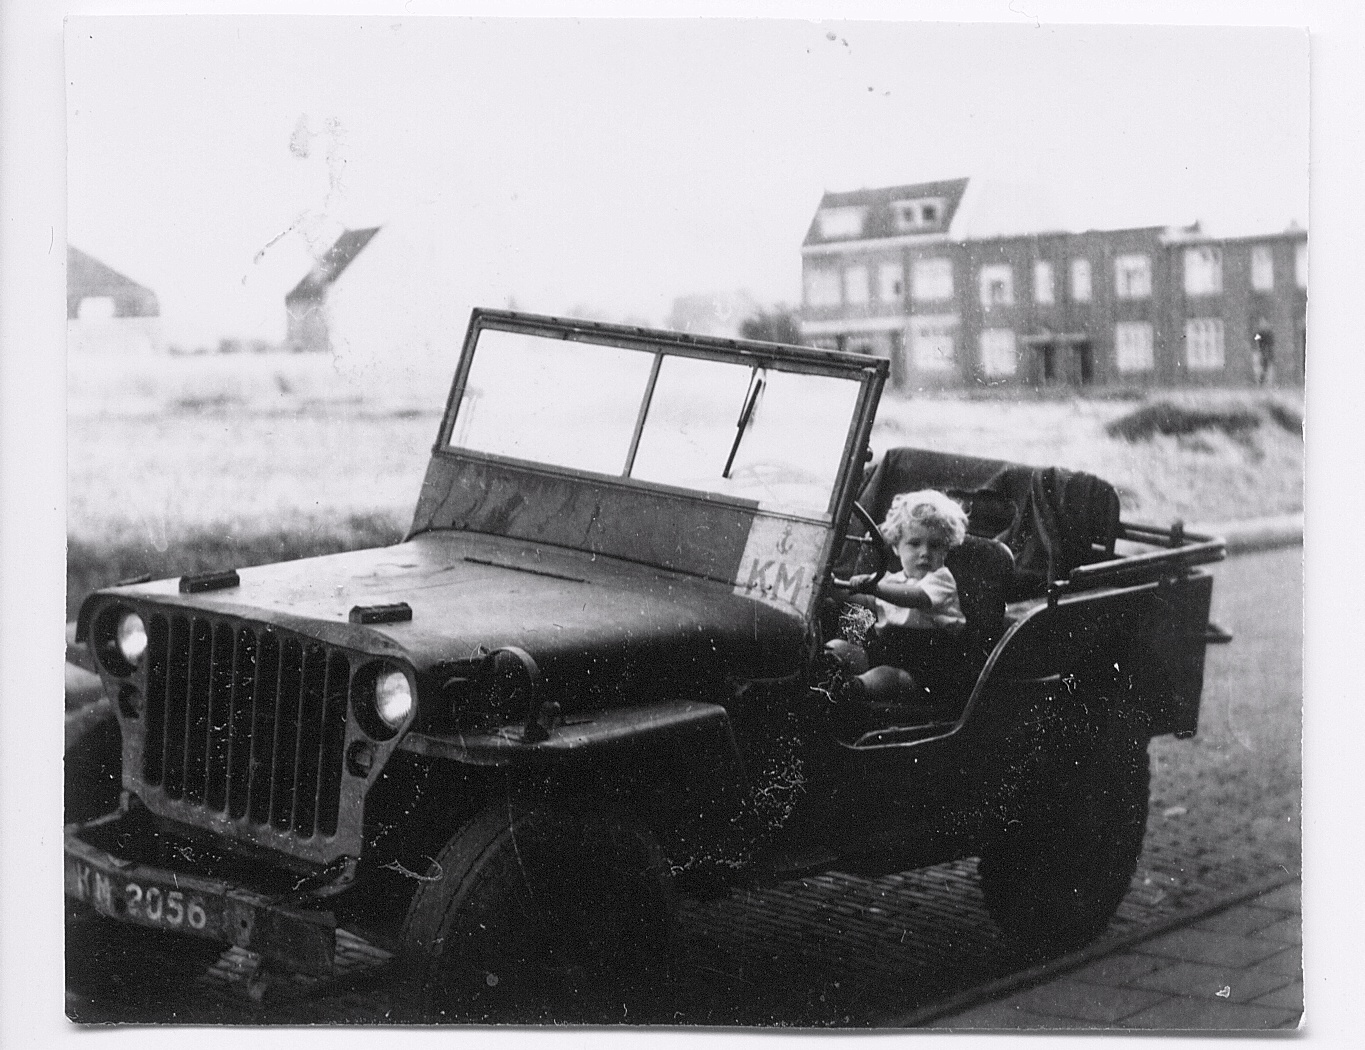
302,939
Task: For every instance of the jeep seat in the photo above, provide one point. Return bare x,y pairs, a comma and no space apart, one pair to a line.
1051,519
947,663
944,665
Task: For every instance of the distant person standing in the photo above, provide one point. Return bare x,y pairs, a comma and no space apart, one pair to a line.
1263,357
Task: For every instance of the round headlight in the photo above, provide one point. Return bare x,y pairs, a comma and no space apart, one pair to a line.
131,636
392,698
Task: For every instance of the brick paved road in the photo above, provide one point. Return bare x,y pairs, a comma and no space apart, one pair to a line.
839,950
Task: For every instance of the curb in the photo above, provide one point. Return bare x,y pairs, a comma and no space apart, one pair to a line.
1044,972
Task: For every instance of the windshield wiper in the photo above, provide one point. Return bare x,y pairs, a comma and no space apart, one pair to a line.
746,414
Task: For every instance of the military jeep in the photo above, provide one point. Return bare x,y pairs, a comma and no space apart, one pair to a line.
613,662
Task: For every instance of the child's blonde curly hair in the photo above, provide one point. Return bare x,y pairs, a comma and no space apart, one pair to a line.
930,509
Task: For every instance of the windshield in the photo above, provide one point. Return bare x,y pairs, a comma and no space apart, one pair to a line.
765,434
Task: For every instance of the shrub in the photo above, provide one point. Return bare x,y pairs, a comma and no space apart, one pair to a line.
1176,420
1285,416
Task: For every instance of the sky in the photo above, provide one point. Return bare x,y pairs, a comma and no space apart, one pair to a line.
609,166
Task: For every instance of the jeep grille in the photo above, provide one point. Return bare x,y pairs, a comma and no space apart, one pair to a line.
246,721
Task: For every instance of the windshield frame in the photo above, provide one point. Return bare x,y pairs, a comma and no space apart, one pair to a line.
868,372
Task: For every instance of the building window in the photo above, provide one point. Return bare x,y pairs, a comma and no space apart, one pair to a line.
1204,343
916,215
1133,276
1134,346
822,287
1203,270
1262,268
932,280
1042,282
998,355
1301,264
855,284
932,342
1080,280
841,222
997,285
890,276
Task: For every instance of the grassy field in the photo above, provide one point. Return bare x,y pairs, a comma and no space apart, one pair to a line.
179,464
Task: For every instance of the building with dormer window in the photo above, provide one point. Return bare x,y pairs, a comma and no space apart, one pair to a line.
912,273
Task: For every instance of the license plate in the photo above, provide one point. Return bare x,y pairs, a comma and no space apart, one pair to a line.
147,903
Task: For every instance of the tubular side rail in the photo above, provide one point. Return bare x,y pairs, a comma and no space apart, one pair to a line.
1174,536
1202,551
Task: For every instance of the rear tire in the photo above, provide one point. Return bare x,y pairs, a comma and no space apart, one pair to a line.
1053,880
530,913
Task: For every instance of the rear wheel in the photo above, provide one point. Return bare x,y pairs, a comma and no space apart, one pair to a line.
1053,879
533,915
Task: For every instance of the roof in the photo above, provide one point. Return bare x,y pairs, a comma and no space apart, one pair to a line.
87,278
1005,207
332,264
879,219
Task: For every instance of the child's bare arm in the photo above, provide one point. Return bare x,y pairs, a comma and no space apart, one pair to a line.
905,594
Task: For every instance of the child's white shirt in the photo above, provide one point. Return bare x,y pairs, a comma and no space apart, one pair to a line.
944,612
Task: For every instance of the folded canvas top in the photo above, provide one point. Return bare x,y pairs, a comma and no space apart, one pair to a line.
1053,519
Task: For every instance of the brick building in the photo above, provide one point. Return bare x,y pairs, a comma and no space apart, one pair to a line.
884,272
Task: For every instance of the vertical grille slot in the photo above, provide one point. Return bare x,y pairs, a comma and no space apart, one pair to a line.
246,721
287,702
177,702
263,728
154,718
200,672
220,717
239,749
332,743
307,750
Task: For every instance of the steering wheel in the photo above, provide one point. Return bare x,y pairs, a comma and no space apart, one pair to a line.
883,552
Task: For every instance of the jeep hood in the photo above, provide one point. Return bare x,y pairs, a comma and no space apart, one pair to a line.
575,613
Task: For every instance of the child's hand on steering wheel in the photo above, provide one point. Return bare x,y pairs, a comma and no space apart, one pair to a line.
863,583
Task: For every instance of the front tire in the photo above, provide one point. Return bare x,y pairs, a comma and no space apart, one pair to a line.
1053,880
530,912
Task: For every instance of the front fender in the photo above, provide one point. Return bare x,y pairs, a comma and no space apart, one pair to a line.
699,732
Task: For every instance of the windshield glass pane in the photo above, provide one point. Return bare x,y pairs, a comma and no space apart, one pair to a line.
788,453
554,401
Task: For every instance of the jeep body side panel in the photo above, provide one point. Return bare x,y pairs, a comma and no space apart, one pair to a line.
1145,643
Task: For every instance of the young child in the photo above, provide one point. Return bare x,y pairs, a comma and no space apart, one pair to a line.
921,527
918,605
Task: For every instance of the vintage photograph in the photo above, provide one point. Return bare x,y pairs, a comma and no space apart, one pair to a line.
713,523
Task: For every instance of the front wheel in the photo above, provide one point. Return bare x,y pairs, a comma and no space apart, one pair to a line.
531,914
1053,880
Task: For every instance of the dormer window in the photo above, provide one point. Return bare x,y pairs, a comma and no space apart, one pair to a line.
841,223
917,214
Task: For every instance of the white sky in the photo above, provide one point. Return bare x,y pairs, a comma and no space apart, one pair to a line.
618,164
